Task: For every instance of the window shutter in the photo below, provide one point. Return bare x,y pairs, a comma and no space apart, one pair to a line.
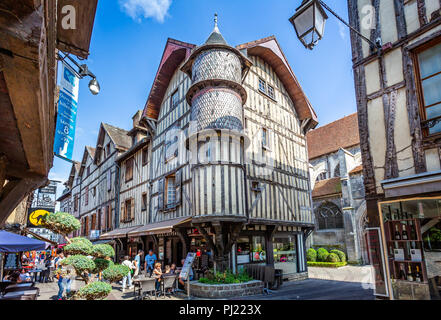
109,215
161,194
178,187
109,180
132,211
122,213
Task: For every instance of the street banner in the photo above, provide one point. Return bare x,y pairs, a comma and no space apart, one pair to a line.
35,216
67,112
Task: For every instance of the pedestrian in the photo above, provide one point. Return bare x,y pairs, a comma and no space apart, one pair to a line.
64,281
150,261
138,262
158,276
173,268
128,278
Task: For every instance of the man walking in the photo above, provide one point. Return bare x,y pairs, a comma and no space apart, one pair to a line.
128,278
150,261
138,262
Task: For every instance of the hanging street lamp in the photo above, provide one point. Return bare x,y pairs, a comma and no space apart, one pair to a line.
309,23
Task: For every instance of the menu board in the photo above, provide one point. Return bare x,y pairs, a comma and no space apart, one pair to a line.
187,265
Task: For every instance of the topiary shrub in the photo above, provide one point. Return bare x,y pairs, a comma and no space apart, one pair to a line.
332,257
311,255
80,263
115,273
102,251
61,222
101,265
340,254
78,246
94,291
322,255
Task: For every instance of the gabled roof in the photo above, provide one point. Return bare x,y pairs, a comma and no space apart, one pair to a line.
327,187
88,152
76,166
119,137
269,50
175,52
342,133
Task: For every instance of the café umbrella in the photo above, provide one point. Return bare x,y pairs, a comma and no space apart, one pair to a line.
14,243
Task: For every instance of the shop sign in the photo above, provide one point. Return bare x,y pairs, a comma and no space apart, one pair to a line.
94,234
35,216
67,113
243,259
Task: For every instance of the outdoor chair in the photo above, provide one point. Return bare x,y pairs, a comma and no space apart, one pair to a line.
169,283
268,278
148,289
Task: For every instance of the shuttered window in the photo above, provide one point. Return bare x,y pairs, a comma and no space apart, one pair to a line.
129,169
109,218
86,196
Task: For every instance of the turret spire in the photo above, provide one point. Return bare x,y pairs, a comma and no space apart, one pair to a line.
215,36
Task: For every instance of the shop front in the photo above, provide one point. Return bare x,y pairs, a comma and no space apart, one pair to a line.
412,247
279,246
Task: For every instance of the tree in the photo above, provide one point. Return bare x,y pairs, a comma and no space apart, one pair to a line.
86,258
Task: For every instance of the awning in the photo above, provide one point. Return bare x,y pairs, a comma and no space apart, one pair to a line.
11,243
426,182
117,233
99,241
159,228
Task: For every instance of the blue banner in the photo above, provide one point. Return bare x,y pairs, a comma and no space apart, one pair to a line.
67,113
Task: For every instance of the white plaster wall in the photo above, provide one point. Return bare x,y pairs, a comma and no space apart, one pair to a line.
431,6
364,31
372,72
393,62
433,160
402,138
411,16
377,138
387,20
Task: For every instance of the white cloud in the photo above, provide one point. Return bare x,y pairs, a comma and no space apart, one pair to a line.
342,30
136,9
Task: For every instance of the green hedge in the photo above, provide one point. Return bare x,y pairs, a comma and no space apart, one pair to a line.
327,264
311,255
322,255
340,254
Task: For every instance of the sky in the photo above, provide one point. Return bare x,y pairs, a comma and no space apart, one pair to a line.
129,37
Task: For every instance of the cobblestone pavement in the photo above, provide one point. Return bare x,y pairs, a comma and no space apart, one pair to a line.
361,274
311,289
314,289
49,291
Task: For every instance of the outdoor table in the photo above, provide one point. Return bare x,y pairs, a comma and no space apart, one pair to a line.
21,285
18,294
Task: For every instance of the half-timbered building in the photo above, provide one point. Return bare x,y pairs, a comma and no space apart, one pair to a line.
399,112
228,165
